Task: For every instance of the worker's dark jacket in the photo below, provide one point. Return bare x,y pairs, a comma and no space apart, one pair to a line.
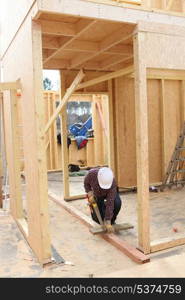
91,184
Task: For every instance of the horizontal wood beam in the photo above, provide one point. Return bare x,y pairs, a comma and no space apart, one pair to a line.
84,46
106,77
80,27
114,240
57,28
66,97
113,39
76,197
109,62
57,64
166,244
164,74
10,85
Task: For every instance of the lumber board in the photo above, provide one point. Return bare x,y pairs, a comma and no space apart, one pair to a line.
166,243
67,95
111,147
106,77
10,85
142,153
13,152
133,253
76,197
117,227
121,245
64,147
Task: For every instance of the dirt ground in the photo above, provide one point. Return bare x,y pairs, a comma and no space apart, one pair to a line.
87,255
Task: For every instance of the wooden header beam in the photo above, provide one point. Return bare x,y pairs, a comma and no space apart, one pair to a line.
4,86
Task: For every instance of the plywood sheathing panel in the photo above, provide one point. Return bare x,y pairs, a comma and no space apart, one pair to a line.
161,53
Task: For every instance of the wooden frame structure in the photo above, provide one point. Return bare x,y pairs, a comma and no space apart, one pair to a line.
123,59
95,153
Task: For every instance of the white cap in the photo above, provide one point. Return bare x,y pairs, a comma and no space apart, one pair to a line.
105,178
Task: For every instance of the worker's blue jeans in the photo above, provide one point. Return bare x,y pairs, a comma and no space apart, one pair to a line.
102,207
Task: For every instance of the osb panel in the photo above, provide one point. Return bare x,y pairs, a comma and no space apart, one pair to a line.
160,51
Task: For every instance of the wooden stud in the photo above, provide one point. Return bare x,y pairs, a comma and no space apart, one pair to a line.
111,143
1,141
13,152
141,113
169,4
38,216
163,122
64,134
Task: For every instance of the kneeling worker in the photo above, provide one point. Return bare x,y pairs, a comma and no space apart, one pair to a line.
101,187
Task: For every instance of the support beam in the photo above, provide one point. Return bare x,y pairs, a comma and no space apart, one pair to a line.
163,129
114,240
65,152
57,28
66,97
106,77
141,113
35,157
4,86
109,62
13,152
55,43
111,143
115,38
1,167
80,27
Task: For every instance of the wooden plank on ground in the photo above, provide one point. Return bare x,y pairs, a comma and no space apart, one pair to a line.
124,247
166,243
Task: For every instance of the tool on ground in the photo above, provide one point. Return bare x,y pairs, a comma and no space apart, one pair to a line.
175,173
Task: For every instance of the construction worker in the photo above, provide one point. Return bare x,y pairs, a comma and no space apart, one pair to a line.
101,187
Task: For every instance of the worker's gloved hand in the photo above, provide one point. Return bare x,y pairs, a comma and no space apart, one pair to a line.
90,197
109,228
